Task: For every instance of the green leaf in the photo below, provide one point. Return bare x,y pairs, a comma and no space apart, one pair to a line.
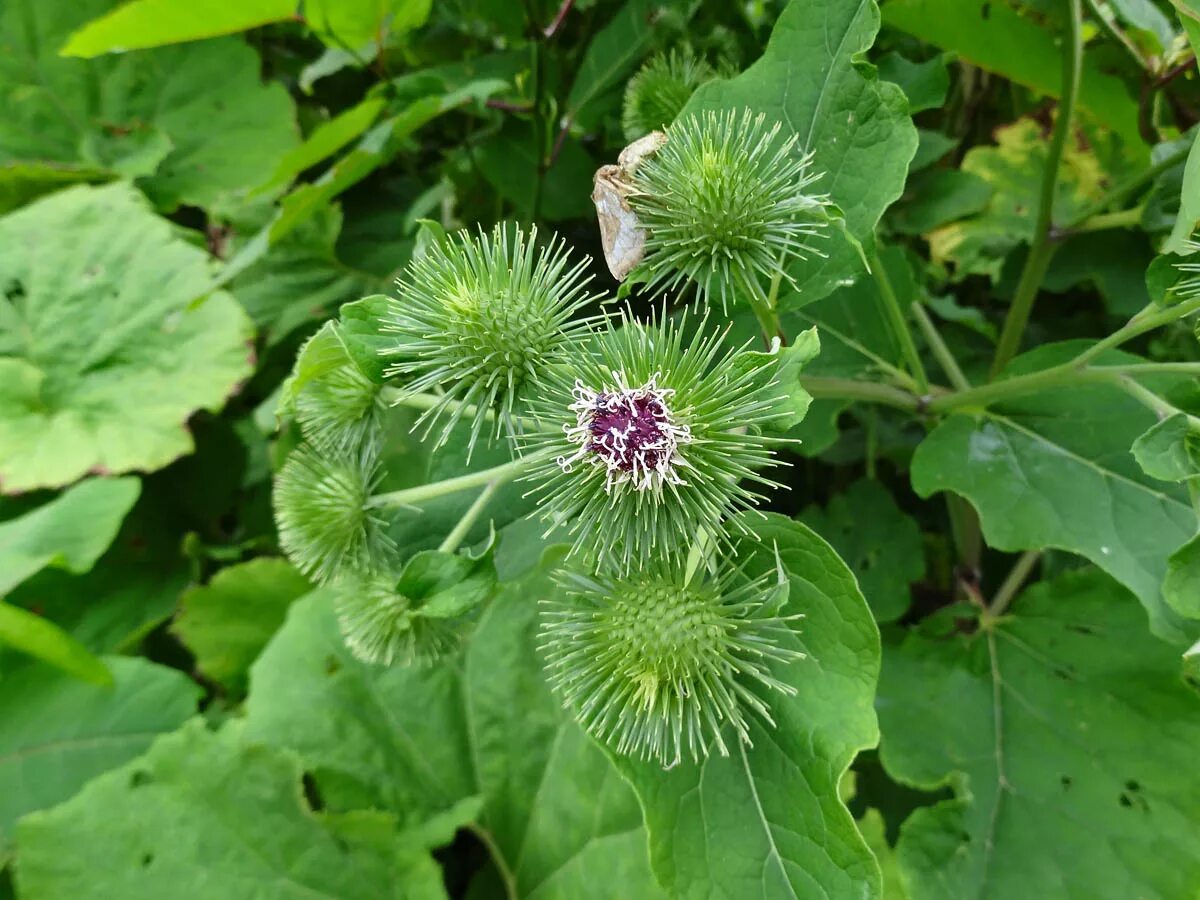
779,372
360,23
767,820
1189,204
152,23
874,832
70,532
59,732
326,139
1012,168
227,622
1170,450
206,814
205,102
21,182
1049,727
613,53
925,84
877,540
41,638
510,163
109,351
937,197
1182,584
1002,38
813,80
417,741
1053,469
300,279
377,147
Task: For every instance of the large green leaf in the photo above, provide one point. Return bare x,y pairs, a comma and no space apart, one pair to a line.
70,532
104,350
485,723
812,79
227,622
59,732
767,820
152,23
195,120
1069,741
37,636
877,540
1002,38
1053,469
207,815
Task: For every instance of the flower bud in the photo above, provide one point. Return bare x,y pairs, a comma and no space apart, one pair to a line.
481,318
660,90
655,664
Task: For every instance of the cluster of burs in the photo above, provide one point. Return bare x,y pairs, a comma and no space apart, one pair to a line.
643,438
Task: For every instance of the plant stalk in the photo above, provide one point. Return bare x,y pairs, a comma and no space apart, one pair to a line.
1044,247
895,314
1012,583
940,351
469,518
852,389
501,474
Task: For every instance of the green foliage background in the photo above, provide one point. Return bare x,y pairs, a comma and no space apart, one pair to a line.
997,558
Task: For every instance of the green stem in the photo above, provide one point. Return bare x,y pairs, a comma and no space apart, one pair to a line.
506,875
851,389
965,531
1123,218
899,323
1012,583
1043,248
501,474
941,352
1077,370
455,537
1156,404
1119,36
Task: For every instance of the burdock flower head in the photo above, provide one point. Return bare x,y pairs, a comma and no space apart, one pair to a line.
725,204
661,89
326,525
480,319
651,439
656,664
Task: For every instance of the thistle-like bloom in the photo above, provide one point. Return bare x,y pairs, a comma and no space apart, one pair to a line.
326,526
338,407
655,664
661,89
480,318
725,205
380,625
650,439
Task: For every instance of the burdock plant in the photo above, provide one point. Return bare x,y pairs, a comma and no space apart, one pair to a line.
640,439
660,90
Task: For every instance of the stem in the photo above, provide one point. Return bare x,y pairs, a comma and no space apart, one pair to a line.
1043,248
506,875
1118,35
899,324
965,530
1123,218
1077,370
851,389
501,474
941,352
455,537
1012,583
1151,400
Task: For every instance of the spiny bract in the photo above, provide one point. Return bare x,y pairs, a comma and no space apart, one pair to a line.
724,206
655,664
651,438
380,625
480,318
